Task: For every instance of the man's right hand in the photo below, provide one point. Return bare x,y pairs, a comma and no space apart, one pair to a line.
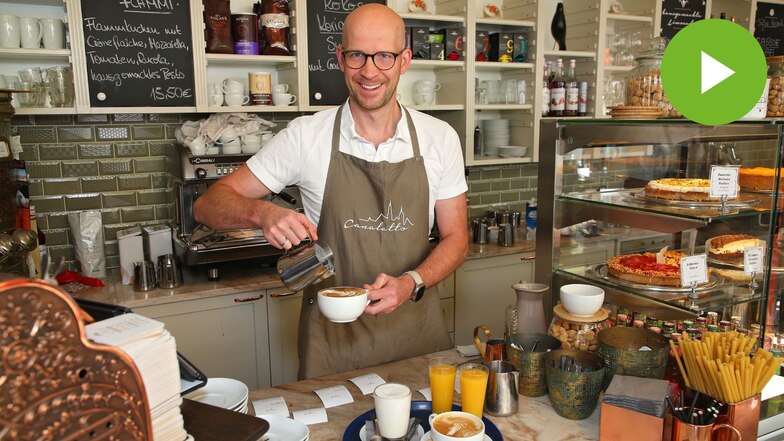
285,228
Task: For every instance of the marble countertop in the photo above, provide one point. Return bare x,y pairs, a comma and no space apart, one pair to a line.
534,420
235,278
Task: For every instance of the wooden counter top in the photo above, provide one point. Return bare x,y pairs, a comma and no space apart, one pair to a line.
535,419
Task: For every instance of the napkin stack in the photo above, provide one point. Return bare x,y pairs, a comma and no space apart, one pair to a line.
644,395
154,352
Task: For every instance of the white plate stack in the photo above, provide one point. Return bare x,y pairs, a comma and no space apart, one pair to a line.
223,392
512,151
496,134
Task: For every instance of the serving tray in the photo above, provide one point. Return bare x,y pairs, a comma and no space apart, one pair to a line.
421,410
743,200
601,271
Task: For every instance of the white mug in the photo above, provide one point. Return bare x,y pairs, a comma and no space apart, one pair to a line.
30,32
236,99
250,149
53,31
425,98
266,137
216,99
427,86
198,145
460,421
232,149
233,86
283,99
280,88
9,32
228,134
251,139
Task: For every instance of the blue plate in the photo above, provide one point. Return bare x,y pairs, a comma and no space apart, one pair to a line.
421,410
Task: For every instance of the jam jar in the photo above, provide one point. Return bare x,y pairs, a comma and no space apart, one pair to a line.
776,88
577,332
643,83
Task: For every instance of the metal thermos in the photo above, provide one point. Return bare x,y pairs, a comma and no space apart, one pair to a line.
169,271
481,232
144,276
505,235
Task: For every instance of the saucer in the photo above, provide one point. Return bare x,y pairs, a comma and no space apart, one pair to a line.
426,437
284,429
420,433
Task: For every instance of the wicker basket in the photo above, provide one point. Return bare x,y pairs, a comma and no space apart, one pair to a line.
574,395
620,346
531,382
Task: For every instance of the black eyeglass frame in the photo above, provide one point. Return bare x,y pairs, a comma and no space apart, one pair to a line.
372,56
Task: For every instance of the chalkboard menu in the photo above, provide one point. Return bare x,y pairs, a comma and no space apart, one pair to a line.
138,53
769,28
677,14
325,27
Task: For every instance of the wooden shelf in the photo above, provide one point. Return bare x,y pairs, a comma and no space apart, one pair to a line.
45,110
497,65
437,63
630,17
497,160
234,59
36,54
436,107
570,54
505,22
503,107
252,109
618,68
435,18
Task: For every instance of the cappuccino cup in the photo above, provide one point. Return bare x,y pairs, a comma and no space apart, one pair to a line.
283,99
342,304
456,426
236,99
280,88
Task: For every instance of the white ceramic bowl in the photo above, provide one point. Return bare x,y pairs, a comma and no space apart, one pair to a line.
581,299
342,308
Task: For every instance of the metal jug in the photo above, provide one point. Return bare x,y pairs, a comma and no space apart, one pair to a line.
305,265
169,271
501,393
144,276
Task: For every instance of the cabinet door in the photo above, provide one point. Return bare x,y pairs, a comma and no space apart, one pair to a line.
224,336
283,320
483,290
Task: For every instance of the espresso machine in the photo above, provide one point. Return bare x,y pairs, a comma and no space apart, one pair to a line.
197,244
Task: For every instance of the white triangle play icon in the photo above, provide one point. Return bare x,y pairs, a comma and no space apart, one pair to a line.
712,72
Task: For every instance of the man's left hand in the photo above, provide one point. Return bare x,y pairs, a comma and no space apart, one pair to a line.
388,292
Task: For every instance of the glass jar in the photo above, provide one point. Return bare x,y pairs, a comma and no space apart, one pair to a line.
776,88
577,332
643,83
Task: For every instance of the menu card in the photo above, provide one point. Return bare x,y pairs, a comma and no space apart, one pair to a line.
367,383
273,406
334,396
311,416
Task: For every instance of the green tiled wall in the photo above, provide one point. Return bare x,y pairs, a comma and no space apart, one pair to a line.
121,165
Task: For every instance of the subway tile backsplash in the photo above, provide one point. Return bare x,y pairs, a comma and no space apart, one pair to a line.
122,165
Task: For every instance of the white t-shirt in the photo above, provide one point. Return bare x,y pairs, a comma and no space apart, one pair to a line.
300,154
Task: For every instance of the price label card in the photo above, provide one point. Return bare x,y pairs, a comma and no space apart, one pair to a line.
753,260
367,383
694,269
334,396
274,406
311,416
724,181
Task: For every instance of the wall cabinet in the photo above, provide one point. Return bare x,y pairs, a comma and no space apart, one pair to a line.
483,290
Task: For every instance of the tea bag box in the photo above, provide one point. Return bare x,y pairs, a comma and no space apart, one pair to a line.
157,242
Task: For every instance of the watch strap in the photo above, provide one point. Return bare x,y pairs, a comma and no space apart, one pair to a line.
419,286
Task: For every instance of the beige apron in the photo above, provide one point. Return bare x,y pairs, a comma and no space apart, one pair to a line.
374,216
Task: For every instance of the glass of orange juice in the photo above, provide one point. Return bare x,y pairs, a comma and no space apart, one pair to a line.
442,383
473,383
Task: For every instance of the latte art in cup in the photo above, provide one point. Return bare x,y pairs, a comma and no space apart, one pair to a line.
343,291
457,426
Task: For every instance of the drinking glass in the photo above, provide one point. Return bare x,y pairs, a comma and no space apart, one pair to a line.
510,92
473,383
442,383
393,408
493,91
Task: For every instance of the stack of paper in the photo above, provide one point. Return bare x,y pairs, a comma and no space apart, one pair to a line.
644,395
153,350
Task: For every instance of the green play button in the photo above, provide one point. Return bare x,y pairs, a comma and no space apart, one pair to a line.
713,71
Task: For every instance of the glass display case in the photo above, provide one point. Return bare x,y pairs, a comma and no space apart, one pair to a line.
593,206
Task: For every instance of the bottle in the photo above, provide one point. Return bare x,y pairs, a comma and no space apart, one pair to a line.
558,91
478,144
572,90
582,99
546,90
558,27
530,220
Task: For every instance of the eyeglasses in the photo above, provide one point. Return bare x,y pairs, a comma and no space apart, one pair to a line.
382,60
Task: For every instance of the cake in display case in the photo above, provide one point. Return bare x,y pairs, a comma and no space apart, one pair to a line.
644,186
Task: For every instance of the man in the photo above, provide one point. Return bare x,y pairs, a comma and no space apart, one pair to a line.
373,176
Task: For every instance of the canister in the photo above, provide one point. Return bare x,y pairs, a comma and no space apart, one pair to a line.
245,33
260,87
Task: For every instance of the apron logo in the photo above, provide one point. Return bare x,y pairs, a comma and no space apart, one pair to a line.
383,222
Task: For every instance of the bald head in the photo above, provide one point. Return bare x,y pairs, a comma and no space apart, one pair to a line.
374,21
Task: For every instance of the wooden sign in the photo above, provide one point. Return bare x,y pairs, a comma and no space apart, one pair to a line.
325,28
769,28
138,54
677,14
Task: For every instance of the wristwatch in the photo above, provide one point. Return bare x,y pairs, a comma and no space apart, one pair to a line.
419,287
